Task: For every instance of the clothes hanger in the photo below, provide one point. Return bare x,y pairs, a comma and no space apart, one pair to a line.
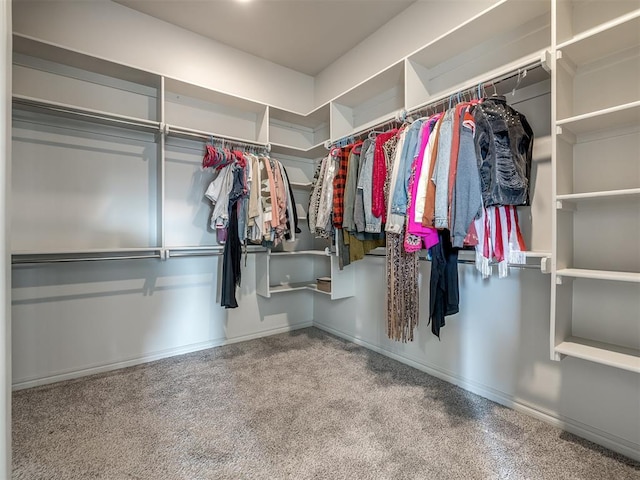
521,76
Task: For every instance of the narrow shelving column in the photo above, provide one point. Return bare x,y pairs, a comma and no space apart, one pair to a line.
596,183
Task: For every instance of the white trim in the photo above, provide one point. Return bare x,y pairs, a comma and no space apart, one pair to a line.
170,352
612,442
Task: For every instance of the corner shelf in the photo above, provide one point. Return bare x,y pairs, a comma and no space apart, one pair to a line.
342,281
369,103
299,135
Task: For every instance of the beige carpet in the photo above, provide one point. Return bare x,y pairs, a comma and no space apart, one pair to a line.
304,405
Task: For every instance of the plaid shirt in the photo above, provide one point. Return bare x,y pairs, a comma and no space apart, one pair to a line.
339,182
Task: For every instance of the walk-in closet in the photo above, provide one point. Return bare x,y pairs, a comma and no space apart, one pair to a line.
296,240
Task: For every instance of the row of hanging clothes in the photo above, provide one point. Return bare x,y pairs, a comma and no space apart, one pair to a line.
252,202
442,182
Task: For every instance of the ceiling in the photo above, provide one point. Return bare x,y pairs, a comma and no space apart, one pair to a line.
304,35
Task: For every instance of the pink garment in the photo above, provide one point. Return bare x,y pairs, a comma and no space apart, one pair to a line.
429,235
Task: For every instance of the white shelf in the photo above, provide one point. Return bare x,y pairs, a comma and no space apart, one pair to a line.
603,40
599,275
305,185
531,254
316,151
53,53
200,109
501,18
606,119
606,354
375,99
603,195
290,287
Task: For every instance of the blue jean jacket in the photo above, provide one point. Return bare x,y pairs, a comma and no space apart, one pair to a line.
400,196
504,146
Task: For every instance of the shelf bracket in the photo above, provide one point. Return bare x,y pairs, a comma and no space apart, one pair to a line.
565,205
566,135
546,60
545,264
566,63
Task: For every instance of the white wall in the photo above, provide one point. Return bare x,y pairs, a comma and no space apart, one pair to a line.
81,318
111,31
5,249
410,30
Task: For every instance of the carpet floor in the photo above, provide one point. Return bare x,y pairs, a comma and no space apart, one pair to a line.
302,405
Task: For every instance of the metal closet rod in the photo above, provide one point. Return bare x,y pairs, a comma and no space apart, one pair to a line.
209,137
464,261
87,114
402,115
44,258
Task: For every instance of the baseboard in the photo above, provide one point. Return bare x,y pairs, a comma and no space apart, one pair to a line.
170,352
612,442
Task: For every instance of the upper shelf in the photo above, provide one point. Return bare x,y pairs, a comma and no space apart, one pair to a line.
365,105
37,49
604,40
297,135
605,119
493,22
506,32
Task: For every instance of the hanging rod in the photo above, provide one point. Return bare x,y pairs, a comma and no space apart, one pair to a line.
173,130
162,254
37,261
464,261
87,114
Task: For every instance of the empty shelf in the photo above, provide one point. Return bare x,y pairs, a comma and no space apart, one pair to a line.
599,352
600,275
606,119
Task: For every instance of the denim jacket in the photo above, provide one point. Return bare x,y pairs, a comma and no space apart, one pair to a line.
504,146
